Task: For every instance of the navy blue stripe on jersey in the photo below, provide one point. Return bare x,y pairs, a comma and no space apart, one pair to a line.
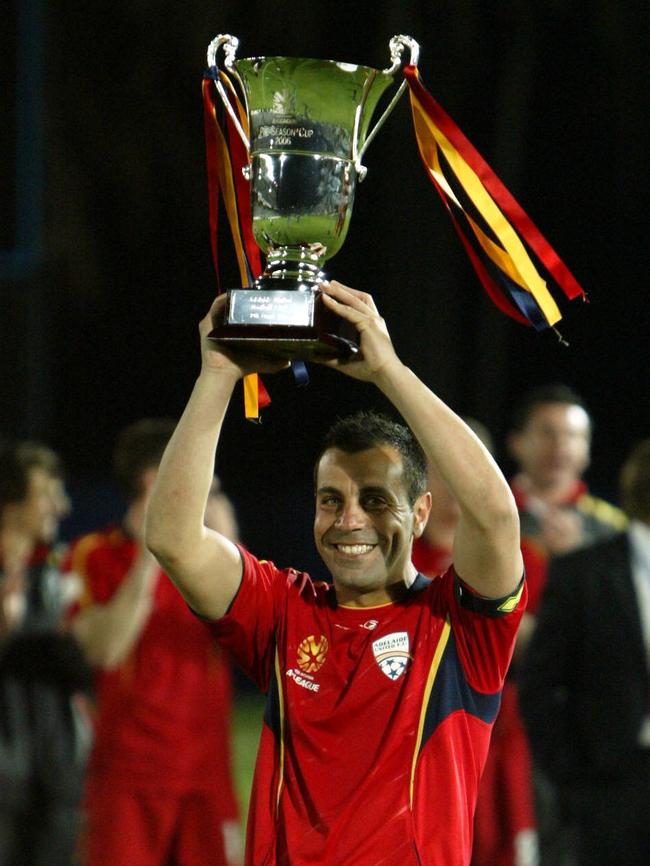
451,692
273,708
421,582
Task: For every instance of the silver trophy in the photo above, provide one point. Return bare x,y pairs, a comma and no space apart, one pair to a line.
309,130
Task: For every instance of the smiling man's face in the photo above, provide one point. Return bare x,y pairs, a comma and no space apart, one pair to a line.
364,524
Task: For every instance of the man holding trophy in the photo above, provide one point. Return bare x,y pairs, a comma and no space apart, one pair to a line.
382,685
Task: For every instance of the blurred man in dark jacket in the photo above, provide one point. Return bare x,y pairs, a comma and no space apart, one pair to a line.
550,442
585,688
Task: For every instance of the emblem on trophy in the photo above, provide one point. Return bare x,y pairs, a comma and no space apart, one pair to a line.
304,126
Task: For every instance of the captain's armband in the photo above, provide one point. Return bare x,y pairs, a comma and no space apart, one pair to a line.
471,600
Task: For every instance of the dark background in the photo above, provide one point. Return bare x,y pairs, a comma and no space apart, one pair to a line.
105,267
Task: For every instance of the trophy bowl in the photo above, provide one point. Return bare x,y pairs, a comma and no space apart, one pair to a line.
308,127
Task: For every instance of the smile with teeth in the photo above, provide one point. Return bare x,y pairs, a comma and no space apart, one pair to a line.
354,549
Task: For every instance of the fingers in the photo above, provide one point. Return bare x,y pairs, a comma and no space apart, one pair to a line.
205,325
250,362
353,297
218,303
217,355
344,310
206,322
356,307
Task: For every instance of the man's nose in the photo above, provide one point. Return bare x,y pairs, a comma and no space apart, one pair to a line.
351,516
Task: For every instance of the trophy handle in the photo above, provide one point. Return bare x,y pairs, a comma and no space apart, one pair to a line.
397,45
229,44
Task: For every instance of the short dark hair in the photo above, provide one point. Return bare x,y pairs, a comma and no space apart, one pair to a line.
367,429
139,447
542,396
635,482
17,459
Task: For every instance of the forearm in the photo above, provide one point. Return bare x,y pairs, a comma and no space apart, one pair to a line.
204,565
108,632
486,541
454,450
174,523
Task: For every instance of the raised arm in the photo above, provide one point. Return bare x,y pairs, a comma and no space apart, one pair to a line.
204,565
486,545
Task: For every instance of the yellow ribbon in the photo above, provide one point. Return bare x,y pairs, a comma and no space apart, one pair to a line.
511,257
224,168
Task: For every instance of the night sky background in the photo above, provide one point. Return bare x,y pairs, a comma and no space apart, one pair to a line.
105,266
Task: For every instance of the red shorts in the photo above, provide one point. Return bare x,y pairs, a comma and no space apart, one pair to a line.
156,828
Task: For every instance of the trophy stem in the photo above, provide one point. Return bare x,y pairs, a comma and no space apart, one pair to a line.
300,264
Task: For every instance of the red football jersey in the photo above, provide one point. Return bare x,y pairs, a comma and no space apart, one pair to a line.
377,721
163,716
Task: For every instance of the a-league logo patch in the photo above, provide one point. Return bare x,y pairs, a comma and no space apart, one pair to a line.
392,653
311,653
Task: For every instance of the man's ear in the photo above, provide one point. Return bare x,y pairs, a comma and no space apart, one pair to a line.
421,510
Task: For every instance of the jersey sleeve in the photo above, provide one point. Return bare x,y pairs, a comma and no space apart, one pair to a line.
485,630
249,627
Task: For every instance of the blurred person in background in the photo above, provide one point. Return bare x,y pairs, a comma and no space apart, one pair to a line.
45,683
159,789
550,441
585,684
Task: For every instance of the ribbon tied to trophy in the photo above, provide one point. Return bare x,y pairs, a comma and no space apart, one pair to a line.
285,139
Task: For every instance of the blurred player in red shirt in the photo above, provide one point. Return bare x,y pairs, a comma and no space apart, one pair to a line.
159,789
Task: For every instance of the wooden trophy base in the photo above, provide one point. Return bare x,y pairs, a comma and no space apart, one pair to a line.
291,323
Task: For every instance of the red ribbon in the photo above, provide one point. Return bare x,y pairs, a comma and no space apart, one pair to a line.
504,199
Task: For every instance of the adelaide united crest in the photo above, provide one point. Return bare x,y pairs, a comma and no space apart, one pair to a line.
392,653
